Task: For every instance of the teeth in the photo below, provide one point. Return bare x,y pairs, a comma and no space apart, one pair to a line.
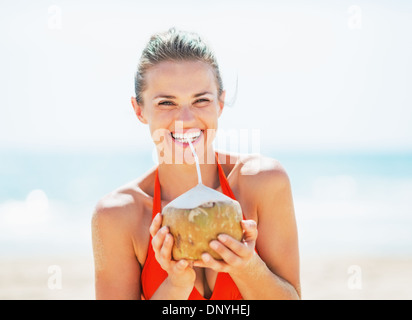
185,137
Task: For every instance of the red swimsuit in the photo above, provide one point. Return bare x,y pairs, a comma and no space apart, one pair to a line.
153,275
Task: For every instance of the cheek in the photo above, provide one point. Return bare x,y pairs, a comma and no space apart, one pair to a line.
210,115
160,135
158,121
160,126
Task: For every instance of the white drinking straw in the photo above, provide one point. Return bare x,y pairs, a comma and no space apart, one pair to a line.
199,175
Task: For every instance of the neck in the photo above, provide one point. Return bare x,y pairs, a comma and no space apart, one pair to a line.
176,179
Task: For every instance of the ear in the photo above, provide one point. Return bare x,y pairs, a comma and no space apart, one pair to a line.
221,102
138,109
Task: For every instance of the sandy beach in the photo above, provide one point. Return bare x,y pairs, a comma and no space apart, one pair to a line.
365,278
322,278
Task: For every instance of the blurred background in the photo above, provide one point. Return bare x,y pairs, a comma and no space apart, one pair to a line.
326,87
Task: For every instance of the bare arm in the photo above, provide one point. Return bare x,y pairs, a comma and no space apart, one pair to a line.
277,272
117,271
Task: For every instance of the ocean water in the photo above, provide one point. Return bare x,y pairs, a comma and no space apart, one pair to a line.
345,203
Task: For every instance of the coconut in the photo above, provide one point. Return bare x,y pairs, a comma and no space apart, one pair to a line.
198,216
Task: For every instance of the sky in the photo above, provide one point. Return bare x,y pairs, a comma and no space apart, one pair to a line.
329,75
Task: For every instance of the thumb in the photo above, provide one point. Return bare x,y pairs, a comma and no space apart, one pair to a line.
181,265
250,230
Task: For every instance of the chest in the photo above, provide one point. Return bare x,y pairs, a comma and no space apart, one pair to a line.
205,281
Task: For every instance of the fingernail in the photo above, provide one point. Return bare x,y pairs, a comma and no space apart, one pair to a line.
222,238
214,244
205,257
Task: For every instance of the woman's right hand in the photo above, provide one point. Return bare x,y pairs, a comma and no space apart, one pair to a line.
180,273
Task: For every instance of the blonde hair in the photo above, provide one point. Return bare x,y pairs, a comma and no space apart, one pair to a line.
174,45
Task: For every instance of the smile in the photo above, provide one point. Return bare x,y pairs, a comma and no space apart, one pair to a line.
191,136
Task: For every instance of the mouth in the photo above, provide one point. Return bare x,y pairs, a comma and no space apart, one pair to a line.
184,138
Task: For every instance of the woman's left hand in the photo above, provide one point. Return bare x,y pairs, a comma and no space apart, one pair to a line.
237,256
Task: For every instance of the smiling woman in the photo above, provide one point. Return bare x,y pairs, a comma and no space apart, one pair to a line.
180,96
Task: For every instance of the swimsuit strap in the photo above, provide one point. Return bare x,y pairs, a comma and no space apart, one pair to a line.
157,201
223,180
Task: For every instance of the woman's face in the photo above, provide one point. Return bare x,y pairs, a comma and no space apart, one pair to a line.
181,102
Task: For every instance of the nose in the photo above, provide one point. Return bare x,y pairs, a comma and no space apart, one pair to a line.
186,115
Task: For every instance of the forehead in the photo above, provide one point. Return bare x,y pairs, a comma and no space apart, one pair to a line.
180,78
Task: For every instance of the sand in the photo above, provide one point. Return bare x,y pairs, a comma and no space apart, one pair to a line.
47,278
71,278
364,278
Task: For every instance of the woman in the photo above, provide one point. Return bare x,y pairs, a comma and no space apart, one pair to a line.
179,94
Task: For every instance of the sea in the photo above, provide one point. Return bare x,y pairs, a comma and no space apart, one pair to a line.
346,203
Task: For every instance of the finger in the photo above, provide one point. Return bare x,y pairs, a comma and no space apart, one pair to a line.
166,250
159,238
227,255
181,265
209,262
156,224
199,263
237,247
250,230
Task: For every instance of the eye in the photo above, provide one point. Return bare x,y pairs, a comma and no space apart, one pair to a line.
166,103
202,102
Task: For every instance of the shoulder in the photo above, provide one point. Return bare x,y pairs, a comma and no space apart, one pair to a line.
264,185
120,224
262,173
123,207
115,206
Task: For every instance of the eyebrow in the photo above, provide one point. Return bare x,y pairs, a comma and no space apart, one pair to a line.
164,96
